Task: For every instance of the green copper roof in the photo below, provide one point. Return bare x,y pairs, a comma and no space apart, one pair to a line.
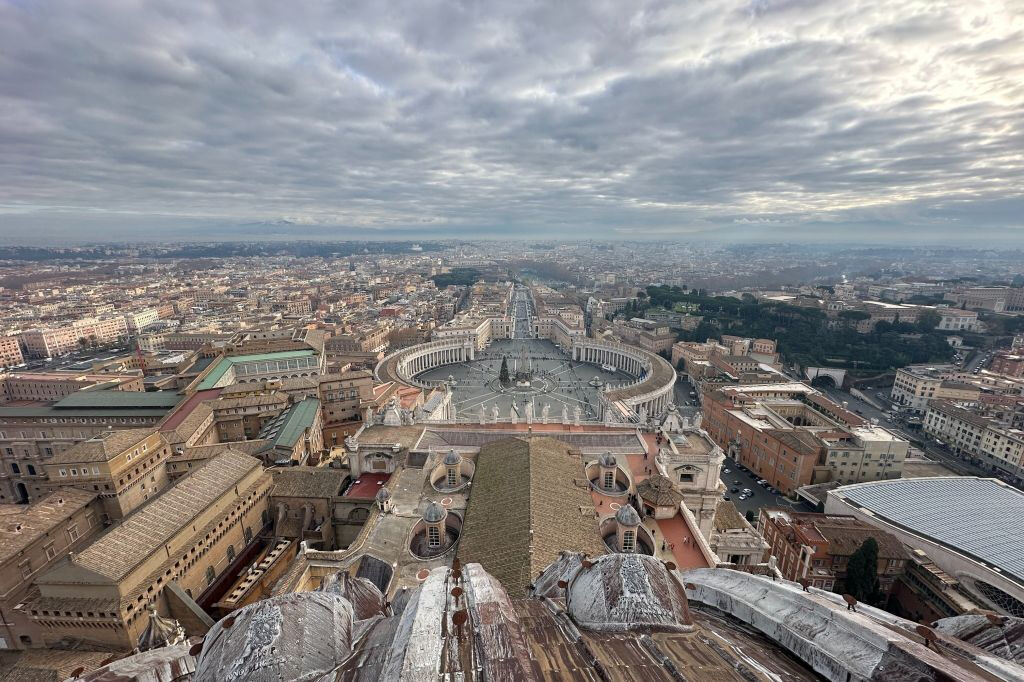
224,364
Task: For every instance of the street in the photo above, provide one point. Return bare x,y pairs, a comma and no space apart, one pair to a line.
759,496
686,403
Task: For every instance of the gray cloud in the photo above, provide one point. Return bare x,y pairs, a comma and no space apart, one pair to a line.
571,118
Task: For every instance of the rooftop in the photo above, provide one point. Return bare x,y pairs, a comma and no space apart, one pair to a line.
971,515
102,447
115,554
23,524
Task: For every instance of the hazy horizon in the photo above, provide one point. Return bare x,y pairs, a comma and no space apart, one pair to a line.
730,121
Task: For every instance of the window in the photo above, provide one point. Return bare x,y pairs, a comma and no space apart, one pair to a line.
63,472
211,575
95,471
50,551
451,477
609,480
247,534
73,532
433,537
26,568
629,541
15,468
231,553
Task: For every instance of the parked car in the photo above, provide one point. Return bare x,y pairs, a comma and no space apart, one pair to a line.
762,482
726,471
737,482
743,497
725,497
748,492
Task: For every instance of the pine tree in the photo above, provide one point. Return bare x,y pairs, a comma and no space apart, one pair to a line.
862,572
503,377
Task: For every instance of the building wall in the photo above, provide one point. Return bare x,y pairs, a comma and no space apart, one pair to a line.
10,352
75,531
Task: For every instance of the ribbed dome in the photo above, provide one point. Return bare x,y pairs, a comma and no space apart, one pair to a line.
607,460
383,495
452,458
363,595
434,513
659,491
628,592
160,632
627,516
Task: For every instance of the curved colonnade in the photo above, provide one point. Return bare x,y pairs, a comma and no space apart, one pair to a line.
651,391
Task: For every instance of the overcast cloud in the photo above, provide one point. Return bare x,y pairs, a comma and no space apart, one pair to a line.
560,118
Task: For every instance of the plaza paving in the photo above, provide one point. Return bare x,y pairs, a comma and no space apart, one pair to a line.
556,381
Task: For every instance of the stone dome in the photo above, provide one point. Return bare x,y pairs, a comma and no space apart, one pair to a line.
300,636
363,595
632,592
607,460
627,516
383,495
160,632
452,458
434,513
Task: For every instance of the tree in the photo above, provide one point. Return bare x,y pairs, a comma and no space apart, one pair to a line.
862,572
503,377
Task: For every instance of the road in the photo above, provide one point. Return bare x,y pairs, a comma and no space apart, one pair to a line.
686,405
759,498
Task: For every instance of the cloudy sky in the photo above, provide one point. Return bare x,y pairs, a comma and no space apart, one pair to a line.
762,119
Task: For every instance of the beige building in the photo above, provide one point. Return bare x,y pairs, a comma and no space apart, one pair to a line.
49,387
33,538
54,341
984,439
865,453
125,468
186,537
10,352
915,385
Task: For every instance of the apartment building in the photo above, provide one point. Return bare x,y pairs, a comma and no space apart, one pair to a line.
140,319
124,468
865,453
33,539
187,537
996,299
984,439
915,385
56,341
10,352
817,547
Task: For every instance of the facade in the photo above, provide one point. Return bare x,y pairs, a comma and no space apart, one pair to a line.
791,436
956,320
33,539
257,368
49,387
187,536
31,435
1008,363
55,341
995,299
984,439
125,469
10,352
915,385
342,399
817,547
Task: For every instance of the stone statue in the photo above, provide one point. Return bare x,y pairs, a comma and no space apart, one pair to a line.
697,421
544,412
483,418
512,414
565,413
494,414
578,415
529,412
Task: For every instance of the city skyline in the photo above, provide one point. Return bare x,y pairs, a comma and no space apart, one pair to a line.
738,121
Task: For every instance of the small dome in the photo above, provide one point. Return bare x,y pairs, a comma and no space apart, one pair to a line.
607,460
160,632
659,491
628,592
363,595
627,516
452,458
434,513
383,495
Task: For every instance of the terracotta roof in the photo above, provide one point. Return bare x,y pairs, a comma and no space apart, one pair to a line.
308,482
659,491
102,447
119,551
23,524
529,502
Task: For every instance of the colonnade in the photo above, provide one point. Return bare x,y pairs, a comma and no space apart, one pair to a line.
620,359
